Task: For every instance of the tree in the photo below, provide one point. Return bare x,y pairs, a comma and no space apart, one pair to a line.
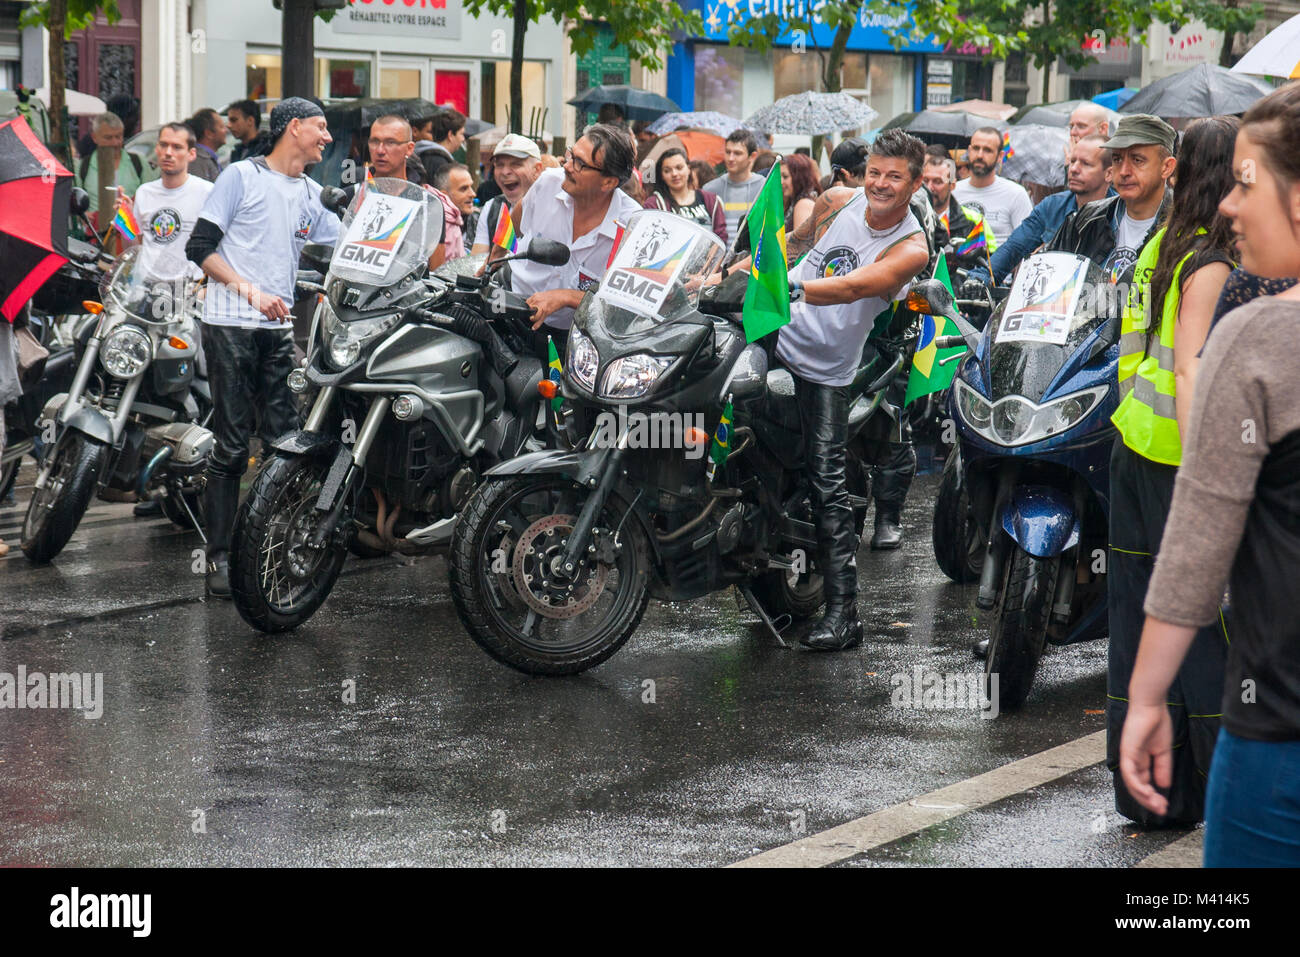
643,27
63,18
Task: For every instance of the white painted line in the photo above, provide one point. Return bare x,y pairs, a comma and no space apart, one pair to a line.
1188,851
891,823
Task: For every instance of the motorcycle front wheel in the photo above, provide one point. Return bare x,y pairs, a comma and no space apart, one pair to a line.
1019,631
958,549
509,596
277,579
56,509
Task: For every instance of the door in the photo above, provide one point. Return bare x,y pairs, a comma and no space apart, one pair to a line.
452,86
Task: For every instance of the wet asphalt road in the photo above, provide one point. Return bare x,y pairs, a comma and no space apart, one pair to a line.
220,746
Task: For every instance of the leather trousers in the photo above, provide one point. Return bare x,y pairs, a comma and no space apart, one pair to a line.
247,369
892,476
824,419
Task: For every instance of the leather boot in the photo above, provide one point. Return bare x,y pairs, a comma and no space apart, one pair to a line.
839,630
221,499
889,528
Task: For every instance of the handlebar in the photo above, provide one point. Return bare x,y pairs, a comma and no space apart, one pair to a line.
949,342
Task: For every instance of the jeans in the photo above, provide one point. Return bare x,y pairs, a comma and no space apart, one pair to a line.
1252,811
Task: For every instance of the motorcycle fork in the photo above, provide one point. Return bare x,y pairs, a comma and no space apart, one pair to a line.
611,469
349,464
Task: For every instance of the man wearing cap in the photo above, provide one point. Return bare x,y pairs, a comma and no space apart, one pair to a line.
516,164
1112,231
580,205
250,232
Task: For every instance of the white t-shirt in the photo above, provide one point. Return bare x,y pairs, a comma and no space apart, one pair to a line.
1004,204
166,218
1128,244
547,211
267,218
823,344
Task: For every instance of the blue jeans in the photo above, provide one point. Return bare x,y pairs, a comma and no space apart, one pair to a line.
1252,808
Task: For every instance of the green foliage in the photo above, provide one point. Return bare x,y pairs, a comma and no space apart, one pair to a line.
81,14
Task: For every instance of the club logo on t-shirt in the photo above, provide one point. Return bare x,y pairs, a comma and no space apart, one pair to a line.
304,226
1120,260
839,261
165,225
586,282
975,205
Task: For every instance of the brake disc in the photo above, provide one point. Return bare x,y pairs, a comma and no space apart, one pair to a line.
540,548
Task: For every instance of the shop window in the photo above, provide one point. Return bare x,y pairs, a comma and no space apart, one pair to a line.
262,71
342,79
495,95
400,83
719,78
795,73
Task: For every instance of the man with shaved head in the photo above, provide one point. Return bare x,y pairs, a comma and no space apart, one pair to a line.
1088,119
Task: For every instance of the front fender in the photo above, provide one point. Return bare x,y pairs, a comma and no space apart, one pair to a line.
310,444
581,467
90,421
1041,520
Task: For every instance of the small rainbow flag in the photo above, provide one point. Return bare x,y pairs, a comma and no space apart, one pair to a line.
505,233
1007,151
973,242
124,222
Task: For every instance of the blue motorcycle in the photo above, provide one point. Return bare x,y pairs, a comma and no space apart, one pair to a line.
1024,501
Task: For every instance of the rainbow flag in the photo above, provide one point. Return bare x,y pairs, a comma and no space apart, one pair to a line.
125,223
973,242
505,233
1007,151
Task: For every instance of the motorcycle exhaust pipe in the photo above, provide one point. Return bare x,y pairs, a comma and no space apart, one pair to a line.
146,473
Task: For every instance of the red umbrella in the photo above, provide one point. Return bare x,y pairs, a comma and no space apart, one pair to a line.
35,196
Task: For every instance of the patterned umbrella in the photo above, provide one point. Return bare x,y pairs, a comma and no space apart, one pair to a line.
812,114
1204,90
1037,154
709,120
35,195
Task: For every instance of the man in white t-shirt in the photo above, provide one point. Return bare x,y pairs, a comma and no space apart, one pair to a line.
252,229
516,164
167,208
1004,204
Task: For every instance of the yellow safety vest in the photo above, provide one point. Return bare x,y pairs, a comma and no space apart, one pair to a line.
1147,416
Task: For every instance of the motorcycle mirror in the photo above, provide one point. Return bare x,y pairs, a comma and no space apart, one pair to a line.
547,252
930,297
334,199
316,256
80,201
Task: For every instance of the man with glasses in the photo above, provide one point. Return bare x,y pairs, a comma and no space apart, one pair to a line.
581,206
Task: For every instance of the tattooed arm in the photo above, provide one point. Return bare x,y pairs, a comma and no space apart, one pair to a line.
828,206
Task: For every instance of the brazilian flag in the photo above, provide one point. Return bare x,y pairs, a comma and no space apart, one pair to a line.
553,372
767,296
927,375
720,448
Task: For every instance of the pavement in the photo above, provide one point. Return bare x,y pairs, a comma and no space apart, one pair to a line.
380,734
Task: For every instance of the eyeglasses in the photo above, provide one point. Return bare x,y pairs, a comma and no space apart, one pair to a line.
388,144
580,164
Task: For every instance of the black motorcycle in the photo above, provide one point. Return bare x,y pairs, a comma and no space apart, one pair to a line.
558,552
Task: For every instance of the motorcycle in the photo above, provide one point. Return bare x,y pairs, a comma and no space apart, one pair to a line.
558,552
130,421
1024,499
417,395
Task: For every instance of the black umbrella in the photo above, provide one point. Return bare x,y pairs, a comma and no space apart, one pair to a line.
356,114
635,103
1204,90
949,129
1054,114
35,198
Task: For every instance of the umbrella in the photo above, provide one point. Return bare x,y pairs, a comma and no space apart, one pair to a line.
812,114
985,108
1114,99
930,125
1056,114
78,103
474,127
709,120
488,139
1037,154
1203,90
698,144
356,114
636,104
35,196
1278,54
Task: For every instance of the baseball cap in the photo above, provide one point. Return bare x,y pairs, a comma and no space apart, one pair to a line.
851,154
1142,129
512,144
293,108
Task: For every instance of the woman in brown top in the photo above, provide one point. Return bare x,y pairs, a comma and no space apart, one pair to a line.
1235,521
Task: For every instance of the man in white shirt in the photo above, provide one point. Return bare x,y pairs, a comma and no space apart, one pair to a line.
1004,204
167,208
739,188
516,164
582,206
252,229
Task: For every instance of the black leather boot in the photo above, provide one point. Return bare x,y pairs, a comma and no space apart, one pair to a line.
889,528
221,499
839,630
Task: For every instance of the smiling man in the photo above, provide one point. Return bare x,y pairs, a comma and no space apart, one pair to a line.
579,205
258,217
516,164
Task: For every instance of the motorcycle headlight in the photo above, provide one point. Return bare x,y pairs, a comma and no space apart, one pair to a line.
344,341
1014,420
126,351
632,376
582,359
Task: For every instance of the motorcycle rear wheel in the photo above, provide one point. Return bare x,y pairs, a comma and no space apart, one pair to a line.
56,510
485,556
277,581
1019,632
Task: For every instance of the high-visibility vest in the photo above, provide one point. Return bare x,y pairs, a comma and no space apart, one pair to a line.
1147,416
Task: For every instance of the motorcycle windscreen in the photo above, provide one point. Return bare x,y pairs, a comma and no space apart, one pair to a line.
656,273
1056,301
390,229
129,286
